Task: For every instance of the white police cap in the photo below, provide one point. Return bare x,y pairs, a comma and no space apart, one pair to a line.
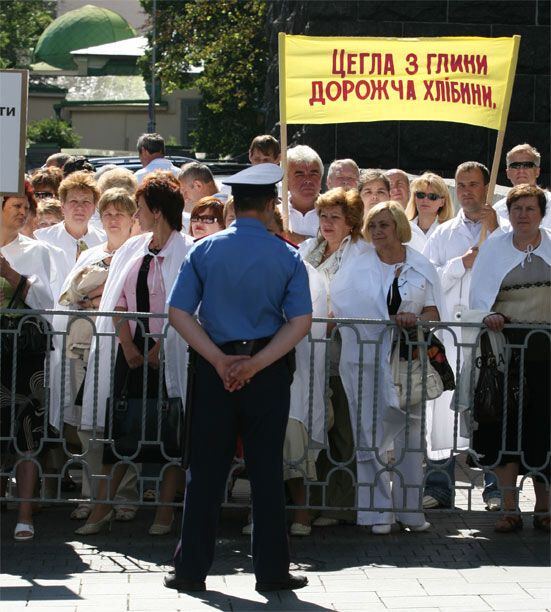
260,175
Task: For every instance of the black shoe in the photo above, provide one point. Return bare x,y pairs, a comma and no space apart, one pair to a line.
184,584
292,583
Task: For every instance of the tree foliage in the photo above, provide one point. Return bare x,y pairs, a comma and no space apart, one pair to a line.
22,23
53,131
227,38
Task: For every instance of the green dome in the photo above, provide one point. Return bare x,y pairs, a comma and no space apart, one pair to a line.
84,27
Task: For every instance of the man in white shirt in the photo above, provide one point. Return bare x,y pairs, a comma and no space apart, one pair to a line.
399,186
304,172
197,182
343,173
151,151
453,248
523,166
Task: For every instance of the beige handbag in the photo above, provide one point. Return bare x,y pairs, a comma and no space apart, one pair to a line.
410,373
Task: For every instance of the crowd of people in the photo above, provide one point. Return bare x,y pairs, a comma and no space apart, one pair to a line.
376,244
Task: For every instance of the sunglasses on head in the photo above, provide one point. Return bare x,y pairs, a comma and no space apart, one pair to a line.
430,196
208,219
525,164
44,194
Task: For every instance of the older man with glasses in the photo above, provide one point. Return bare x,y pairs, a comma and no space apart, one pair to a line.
523,167
343,173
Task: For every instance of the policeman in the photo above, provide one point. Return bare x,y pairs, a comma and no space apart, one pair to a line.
254,307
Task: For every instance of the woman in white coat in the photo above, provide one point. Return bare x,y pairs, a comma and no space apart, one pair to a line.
388,281
429,204
116,210
66,240
24,282
145,268
519,291
337,247
306,421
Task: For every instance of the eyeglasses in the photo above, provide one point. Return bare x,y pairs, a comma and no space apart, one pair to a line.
525,164
430,196
44,194
347,180
208,219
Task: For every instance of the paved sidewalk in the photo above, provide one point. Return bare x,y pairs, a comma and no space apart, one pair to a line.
458,565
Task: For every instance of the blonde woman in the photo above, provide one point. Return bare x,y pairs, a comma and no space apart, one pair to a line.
390,281
429,203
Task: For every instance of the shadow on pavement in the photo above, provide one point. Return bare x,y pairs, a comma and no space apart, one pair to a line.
456,540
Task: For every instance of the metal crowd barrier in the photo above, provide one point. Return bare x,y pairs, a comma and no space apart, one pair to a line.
337,450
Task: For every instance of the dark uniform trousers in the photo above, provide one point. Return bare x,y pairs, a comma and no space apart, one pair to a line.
259,412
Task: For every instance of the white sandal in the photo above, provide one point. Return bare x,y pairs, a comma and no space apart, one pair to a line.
23,532
125,514
81,512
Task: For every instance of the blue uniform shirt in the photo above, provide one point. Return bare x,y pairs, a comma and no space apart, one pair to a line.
246,282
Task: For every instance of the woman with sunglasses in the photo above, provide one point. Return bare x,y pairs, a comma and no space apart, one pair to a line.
207,217
429,203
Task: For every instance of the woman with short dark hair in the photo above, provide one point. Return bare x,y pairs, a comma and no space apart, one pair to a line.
207,217
337,246
518,291
24,283
142,272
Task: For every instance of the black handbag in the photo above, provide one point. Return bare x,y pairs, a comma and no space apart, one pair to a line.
163,427
488,404
488,394
30,334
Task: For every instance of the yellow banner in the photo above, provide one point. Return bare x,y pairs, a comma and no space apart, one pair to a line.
344,80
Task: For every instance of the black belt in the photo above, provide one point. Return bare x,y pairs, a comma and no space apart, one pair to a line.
245,347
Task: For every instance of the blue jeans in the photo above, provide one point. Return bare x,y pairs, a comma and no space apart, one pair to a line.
440,482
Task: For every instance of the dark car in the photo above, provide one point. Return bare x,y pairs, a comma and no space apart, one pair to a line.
217,167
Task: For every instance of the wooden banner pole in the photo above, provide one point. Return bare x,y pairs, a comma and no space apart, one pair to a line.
501,131
283,130
284,188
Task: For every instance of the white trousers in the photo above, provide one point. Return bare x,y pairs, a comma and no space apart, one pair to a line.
396,494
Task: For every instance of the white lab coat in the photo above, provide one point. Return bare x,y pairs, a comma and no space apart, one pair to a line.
103,350
445,248
300,389
351,251
418,237
64,393
63,251
65,255
487,277
32,259
360,291
87,258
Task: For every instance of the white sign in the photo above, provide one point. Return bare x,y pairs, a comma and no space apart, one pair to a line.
13,129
